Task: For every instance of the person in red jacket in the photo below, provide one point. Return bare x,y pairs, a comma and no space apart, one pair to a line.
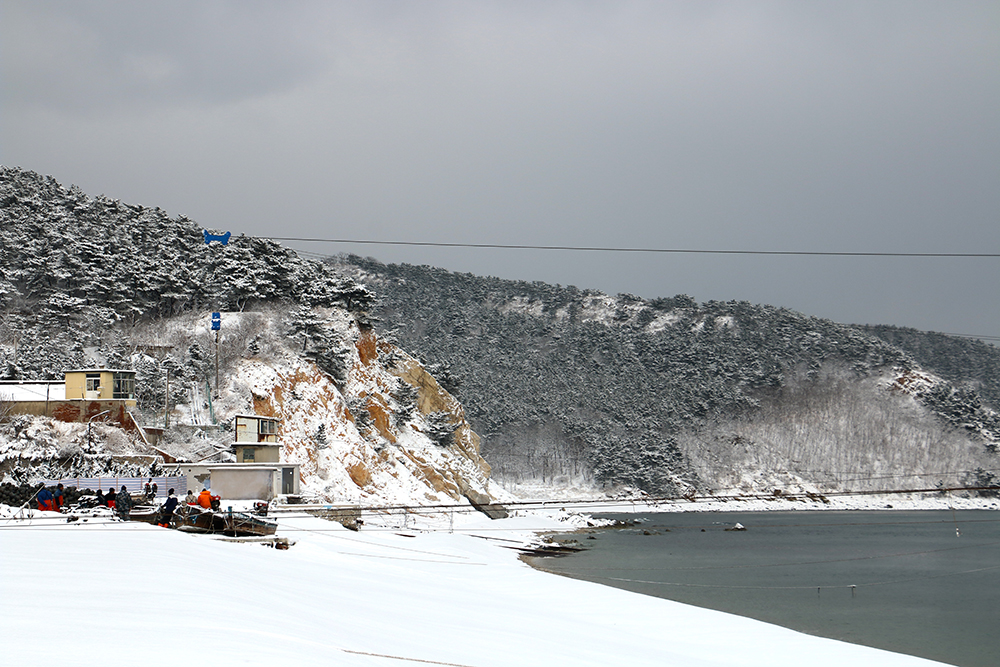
205,499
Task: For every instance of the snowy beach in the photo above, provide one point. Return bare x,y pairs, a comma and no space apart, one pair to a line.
107,592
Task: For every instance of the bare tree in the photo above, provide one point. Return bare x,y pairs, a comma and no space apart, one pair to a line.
833,435
6,407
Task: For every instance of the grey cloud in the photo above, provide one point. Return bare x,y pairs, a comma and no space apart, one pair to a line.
781,125
95,56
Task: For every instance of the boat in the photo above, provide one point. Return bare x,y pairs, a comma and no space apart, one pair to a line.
195,519
246,523
145,513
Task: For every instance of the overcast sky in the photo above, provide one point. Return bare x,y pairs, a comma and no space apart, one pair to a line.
806,126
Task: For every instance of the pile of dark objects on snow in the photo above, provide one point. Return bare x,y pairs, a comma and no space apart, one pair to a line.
17,495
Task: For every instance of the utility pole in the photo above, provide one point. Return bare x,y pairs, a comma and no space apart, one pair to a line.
166,404
216,326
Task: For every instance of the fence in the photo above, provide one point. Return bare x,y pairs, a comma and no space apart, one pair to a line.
135,485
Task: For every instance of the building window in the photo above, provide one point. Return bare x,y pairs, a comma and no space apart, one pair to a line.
268,427
93,382
249,455
123,387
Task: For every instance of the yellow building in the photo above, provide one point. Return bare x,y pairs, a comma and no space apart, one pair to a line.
101,384
256,439
257,452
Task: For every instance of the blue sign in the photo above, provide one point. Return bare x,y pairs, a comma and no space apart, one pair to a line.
221,238
216,321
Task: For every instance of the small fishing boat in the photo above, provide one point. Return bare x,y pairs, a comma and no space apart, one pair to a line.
194,519
191,518
144,513
246,523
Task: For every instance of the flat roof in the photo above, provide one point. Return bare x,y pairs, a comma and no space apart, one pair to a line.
252,466
99,370
274,419
15,390
41,382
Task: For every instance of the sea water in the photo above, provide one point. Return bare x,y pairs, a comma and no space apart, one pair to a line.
924,583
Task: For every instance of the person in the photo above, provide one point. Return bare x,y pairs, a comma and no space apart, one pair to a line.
190,498
148,489
45,499
100,498
109,498
167,513
123,503
205,498
59,499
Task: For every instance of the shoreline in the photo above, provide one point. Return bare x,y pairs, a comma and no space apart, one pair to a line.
447,598
602,570
570,511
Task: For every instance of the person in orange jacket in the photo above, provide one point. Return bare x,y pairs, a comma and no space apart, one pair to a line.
205,498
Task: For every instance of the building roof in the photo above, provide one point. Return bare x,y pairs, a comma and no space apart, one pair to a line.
274,419
15,390
252,466
99,370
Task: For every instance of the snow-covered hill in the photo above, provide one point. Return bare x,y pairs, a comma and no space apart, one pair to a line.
388,434
94,281
668,394
373,439
568,388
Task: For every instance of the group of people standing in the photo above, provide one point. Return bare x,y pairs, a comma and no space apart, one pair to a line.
204,499
120,502
50,501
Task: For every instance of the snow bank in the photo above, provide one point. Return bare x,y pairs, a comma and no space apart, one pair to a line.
104,592
602,505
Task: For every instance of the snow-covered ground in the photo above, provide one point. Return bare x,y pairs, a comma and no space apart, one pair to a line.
104,592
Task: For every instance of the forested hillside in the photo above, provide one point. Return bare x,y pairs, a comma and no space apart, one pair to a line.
97,282
73,268
561,381
564,385
965,362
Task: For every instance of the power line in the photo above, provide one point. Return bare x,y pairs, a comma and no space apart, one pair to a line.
958,335
654,250
691,251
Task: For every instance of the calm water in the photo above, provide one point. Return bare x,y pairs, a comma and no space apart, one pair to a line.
919,588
